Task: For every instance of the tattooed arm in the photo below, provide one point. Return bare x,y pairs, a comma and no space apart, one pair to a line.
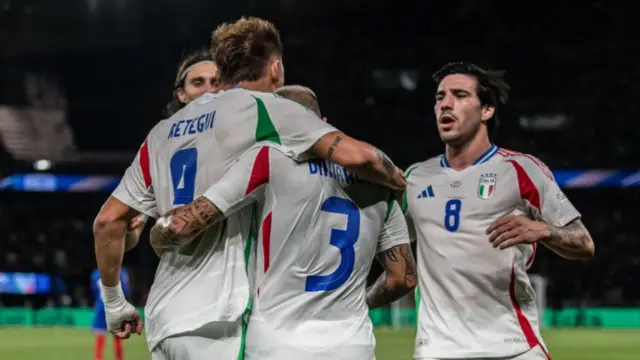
398,279
180,226
360,158
571,241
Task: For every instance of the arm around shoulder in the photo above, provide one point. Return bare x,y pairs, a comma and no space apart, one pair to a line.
360,158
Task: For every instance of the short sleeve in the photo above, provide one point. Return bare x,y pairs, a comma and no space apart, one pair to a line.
541,193
136,188
244,183
297,127
395,231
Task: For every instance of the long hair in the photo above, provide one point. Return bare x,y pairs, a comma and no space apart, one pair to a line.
191,59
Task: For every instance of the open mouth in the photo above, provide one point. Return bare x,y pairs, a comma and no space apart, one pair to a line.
447,120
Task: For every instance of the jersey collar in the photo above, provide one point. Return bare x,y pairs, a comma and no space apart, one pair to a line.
493,149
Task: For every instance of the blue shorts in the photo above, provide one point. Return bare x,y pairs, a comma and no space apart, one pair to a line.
99,323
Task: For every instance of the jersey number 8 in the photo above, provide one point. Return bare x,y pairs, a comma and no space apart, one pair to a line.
344,240
183,166
452,214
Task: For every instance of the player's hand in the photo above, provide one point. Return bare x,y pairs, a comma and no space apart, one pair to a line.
398,180
176,228
513,230
123,319
133,231
137,223
165,233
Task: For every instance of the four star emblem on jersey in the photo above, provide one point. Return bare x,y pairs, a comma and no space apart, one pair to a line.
487,185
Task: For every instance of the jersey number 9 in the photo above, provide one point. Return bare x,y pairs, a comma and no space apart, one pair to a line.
344,240
183,166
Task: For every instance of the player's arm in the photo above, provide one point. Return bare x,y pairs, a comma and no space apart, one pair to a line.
395,255
571,241
554,221
110,233
241,186
303,132
119,222
180,226
133,196
360,158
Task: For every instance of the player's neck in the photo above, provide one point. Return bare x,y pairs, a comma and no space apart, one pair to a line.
461,157
261,85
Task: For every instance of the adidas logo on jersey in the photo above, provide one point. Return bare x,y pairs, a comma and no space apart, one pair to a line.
426,193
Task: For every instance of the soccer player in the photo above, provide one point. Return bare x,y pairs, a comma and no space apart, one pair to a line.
197,74
99,325
320,228
479,212
201,291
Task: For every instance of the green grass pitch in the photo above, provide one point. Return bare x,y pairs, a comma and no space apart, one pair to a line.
77,344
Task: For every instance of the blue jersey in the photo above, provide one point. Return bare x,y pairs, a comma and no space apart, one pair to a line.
95,287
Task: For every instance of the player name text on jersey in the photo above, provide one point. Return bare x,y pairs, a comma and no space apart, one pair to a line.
331,170
192,126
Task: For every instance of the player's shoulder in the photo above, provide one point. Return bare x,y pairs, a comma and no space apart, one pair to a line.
162,127
274,149
275,102
426,167
524,162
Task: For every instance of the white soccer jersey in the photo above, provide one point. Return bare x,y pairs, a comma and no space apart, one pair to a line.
320,228
181,157
477,301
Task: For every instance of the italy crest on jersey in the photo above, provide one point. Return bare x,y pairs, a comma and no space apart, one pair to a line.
487,185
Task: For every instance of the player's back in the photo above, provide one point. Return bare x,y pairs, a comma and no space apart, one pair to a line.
206,281
319,234
476,300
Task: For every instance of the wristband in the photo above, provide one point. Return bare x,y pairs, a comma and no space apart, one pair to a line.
112,296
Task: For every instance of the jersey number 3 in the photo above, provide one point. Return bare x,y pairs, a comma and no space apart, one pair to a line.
344,241
452,214
183,166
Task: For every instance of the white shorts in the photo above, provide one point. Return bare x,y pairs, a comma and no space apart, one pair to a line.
535,353
220,341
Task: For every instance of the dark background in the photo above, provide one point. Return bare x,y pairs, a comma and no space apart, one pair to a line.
370,65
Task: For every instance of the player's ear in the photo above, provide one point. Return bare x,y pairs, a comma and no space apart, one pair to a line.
487,112
276,70
182,95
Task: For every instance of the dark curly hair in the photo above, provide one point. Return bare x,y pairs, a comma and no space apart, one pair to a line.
491,90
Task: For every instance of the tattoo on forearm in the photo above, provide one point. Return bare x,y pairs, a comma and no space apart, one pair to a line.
399,263
333,147
386,162
181,225
571,238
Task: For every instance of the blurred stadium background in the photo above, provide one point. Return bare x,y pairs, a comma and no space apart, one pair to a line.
82,82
